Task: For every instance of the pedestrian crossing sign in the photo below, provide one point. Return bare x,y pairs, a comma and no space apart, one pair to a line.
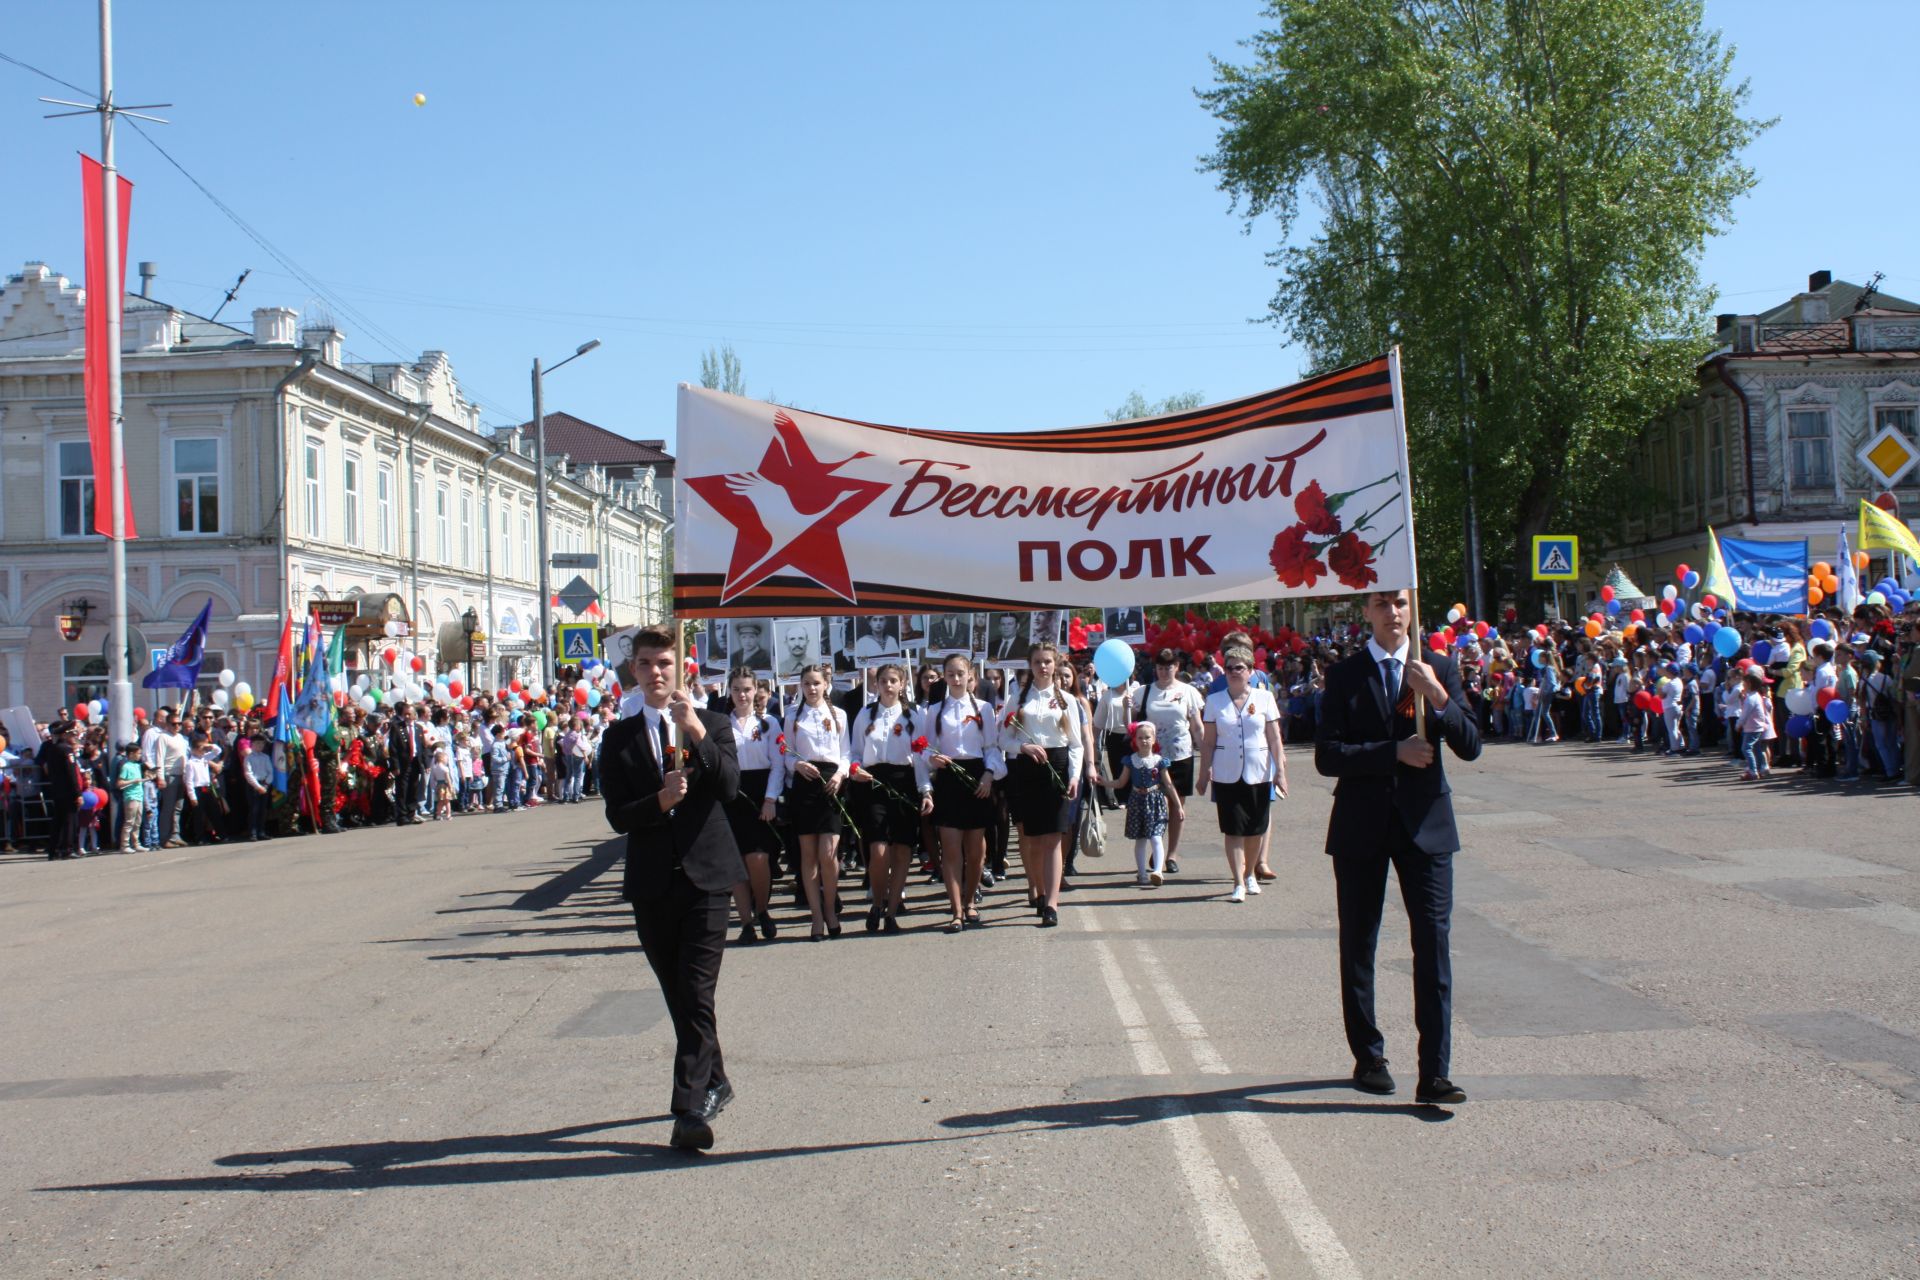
1556,559
579,640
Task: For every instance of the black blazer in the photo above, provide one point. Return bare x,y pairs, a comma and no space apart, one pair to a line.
1354,742
696,835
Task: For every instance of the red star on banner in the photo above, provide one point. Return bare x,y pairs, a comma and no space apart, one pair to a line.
788,514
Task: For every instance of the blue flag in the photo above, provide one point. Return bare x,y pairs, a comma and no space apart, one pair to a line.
1768,577
181,670
313,706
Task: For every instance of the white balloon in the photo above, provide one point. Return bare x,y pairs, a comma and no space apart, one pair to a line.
1669,591
242,690
1800,701
226,678
391,629
220,699
367,703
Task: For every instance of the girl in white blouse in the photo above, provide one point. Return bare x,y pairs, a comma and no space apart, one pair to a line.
1242,756
1041,723
963,755
763,775
893,779
817,752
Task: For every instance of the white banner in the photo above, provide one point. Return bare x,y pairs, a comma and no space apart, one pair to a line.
1297,492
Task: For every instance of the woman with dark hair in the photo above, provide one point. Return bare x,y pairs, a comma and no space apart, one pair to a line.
817,748
1042,724
895,792
763,775
964,758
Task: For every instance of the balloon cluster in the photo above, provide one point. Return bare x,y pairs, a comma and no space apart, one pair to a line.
1461,631
1199,638
1084,635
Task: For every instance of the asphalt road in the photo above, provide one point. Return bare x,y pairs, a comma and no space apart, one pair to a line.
1687,1014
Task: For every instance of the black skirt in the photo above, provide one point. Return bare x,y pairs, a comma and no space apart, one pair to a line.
955,805
743,815
1037,797
1181,771
1244,807
809,808
895,818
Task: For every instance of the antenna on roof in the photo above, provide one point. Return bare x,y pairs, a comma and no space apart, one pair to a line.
1865,299
230,293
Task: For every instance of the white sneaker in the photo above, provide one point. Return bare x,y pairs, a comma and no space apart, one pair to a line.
1239,894
1253,884
1156,879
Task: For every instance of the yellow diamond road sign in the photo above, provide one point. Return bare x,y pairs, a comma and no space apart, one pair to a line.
1889,456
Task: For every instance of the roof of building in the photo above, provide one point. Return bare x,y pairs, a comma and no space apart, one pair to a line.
583,442
1842,298
1782,334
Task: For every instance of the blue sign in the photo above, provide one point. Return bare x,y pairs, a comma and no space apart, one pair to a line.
1767,577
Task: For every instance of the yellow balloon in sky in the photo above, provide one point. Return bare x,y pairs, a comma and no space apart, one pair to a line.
419,99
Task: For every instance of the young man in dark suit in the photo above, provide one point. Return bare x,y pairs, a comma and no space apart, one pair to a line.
1392,807
666,772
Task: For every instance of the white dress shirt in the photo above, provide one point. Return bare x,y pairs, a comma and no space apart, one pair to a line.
1240,751
761,753
1170,710
884,735
965,729
1399,657
1046,718
819,735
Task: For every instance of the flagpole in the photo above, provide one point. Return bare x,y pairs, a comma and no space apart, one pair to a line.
119,679
1414,637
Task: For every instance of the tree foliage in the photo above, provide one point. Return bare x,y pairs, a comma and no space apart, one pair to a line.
720,371
1519,187
1138,406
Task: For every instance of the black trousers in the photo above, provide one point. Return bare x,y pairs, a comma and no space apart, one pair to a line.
406,794
1426,886
684,933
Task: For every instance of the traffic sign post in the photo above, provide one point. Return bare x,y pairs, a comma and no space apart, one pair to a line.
1556,558
578,641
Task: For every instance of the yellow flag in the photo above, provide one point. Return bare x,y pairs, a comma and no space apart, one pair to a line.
1880,531
1716,582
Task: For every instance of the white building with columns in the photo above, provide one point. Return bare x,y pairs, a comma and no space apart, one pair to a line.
268,472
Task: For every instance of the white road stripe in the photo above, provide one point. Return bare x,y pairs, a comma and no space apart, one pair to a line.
1222,1229
1311,1230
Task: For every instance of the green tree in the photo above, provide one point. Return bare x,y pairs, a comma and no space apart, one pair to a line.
1138,406
720,371
1516,192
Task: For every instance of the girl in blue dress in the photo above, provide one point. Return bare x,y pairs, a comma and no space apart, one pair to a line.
1151,796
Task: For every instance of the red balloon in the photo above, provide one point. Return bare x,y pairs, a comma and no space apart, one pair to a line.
1657,704
1512,613
1437,642
1638,615
514,684
1541,631
1480,629
81,711
389,655
139,713
1666,606
455,688
1710,600
1825,696
1606,593
419,663
1642,699
1680,571
580,694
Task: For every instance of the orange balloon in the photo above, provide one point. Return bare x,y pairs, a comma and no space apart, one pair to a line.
1593,629
1815,595
1860,560
1830,584
1821,569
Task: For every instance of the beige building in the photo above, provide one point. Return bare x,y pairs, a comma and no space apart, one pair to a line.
268,471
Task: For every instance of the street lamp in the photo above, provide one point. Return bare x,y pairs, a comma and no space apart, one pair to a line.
469,623
540,506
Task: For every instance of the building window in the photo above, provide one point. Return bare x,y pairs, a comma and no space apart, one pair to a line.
311,475
413,507
466,529
442,525
383,506
1689,480
212,663
196,486
76,490
1809,449
350,499
83,677
1901,419
1717,459
506,543
526,546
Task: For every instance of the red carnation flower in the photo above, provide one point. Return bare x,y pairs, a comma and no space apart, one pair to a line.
1352,561
920,743
781,742
1311,506
1294,562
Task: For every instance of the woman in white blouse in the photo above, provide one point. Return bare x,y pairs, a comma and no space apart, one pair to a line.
963,755
763,775
1042,726
1242,757
893,791
817,753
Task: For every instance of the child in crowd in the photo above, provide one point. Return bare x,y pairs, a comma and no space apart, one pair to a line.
440,784
131,782
1151,795
1756,725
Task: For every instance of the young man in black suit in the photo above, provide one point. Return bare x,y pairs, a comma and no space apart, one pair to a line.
667,771
1392,807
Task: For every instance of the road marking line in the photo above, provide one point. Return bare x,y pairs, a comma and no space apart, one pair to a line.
1222,1229
1311,1230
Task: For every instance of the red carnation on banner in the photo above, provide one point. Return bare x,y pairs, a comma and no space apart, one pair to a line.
1294,562
1310,504
1352,562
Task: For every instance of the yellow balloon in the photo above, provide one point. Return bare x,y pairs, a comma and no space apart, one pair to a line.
243,703
419,99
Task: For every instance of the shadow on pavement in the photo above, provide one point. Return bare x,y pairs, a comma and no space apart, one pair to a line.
1151,1107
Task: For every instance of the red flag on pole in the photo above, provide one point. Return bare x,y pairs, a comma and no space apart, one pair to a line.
282,671
99,421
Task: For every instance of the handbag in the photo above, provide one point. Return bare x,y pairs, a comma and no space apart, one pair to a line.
1092,842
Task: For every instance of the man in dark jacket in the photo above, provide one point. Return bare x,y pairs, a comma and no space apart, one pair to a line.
1392,807
666,772
406,763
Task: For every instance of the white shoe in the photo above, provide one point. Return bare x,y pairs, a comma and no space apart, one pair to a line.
1253,884
1239,894
1156,879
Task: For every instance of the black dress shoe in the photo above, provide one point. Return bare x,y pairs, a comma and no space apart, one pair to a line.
716,1100
767,927
1372,1076
891,925
691,1132
747,936
1438,1091
1049,917
873,920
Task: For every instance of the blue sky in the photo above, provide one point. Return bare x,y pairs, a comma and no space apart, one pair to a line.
978,217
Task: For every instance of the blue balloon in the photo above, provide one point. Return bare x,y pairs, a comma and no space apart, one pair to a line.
593,697
1821,629
1694,633
1726,642
1799,726
1692,579
1113,662
1613,607
1762,652
1464,639
1839,712
1539,657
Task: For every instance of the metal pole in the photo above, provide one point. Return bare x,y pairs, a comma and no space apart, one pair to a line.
540,519
1476,575
119,682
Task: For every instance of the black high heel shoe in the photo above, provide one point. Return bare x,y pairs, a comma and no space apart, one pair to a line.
1049,917
833,930
873,920
767,928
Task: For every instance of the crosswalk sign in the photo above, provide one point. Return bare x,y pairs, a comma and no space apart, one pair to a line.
1555,558
579,640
